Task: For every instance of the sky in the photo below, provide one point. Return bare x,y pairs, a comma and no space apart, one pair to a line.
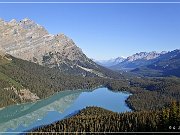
105,31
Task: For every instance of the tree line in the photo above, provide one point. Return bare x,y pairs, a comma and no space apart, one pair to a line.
95,119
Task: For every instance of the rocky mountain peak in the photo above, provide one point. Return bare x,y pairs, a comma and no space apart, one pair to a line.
119,59
29,41
13,22
177,50
163,52
29,24
145,55
1,21
26,20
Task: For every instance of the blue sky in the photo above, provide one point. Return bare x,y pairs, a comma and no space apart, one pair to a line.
106,31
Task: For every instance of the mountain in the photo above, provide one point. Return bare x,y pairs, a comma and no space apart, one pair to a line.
137,60
23,81
166,65
29,41
111,62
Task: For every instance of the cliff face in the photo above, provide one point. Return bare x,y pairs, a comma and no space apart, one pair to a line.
29,41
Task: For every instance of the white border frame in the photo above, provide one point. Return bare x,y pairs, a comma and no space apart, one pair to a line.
88,2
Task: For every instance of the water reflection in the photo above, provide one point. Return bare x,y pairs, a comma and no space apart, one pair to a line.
27,116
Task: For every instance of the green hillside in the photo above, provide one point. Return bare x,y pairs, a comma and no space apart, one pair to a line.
23,81
7,96
16,74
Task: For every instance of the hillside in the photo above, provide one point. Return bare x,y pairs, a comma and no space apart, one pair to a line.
28,40
23,81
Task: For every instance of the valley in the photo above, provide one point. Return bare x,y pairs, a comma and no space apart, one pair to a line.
42,73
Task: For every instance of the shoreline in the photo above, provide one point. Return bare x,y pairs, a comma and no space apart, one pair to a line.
71,114
77,112
49,97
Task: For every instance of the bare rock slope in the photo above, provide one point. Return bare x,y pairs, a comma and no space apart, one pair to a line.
29,41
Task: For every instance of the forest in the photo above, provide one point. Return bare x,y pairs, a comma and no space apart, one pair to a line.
95,119
40,80
147,93
150,100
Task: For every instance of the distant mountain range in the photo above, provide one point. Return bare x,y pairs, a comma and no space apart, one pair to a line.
131,62
29,41
137,60
111,62
148,63
165,65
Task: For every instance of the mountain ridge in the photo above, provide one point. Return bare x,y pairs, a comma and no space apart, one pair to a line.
30,41
166,65
133,61
137,60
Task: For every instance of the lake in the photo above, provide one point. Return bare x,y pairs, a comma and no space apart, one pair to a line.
23,117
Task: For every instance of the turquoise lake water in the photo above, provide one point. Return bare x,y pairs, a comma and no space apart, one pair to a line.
23,117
